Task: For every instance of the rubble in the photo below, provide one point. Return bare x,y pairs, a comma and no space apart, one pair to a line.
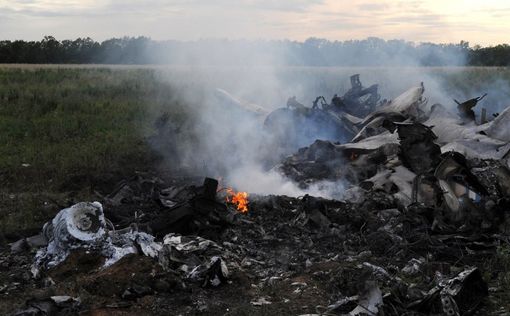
50,306
410,235
466,108
297,125
79,226
463,293
418,152
369,302
498,128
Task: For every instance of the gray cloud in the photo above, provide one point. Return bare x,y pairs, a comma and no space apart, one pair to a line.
416,20
373,6
219,5
4,11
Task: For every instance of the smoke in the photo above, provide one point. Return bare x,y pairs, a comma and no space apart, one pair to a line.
477,81
224,137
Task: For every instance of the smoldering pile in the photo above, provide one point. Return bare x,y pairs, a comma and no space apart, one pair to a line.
426,204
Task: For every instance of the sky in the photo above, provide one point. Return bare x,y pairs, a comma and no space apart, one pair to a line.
484,22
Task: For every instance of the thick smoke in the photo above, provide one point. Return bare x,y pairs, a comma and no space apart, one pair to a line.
225,140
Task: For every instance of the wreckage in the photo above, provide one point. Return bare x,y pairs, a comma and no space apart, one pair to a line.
425,204
298,125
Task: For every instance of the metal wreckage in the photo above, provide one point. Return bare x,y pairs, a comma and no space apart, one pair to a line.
426,207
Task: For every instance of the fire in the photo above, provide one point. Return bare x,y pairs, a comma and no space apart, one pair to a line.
240,199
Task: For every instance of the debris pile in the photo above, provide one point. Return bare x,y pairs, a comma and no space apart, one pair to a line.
425,209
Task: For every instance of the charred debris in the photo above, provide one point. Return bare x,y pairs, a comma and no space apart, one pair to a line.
426,206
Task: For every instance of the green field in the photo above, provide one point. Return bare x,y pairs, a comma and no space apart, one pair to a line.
64,129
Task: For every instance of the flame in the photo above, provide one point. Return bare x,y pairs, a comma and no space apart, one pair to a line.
240,199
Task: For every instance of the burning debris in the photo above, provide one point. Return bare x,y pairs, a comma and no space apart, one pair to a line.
425,204
239,199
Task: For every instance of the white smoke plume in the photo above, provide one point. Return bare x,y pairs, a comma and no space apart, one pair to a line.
226,141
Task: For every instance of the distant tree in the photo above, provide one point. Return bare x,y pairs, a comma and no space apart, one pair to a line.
314,51
51,50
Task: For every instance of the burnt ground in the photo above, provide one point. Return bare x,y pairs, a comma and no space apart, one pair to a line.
287,256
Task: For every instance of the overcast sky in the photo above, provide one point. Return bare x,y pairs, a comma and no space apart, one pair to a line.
484,22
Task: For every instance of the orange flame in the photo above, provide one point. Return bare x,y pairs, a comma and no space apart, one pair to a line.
240,199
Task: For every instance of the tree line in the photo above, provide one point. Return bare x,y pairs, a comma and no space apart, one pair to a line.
312,52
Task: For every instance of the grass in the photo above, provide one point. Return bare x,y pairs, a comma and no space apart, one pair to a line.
64,122
63,128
